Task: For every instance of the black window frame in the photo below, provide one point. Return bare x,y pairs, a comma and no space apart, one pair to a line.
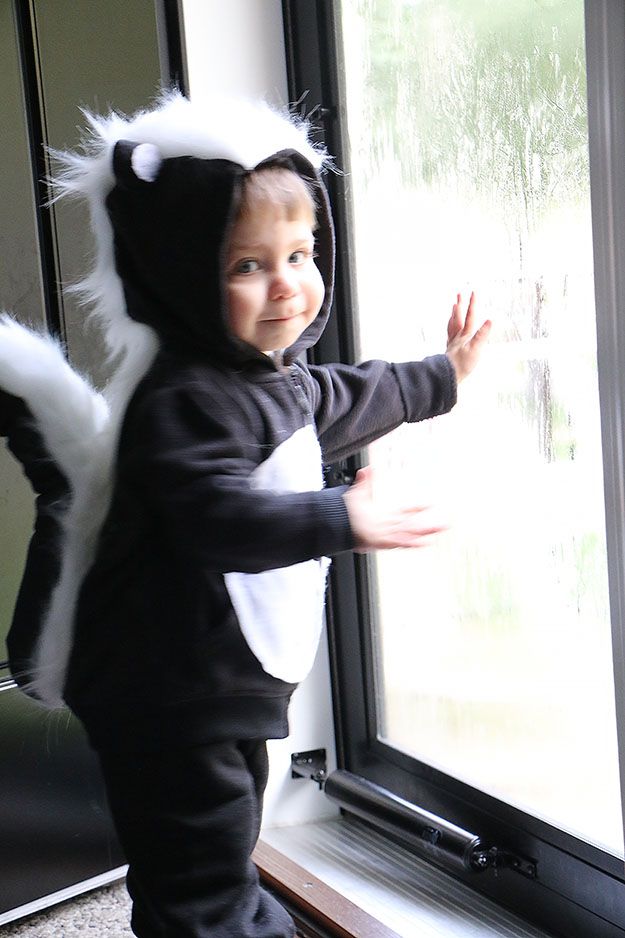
579,891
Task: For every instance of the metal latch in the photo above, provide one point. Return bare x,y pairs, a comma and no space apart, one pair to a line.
495,859
310,764
338,474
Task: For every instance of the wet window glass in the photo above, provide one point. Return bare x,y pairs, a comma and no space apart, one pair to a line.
469,171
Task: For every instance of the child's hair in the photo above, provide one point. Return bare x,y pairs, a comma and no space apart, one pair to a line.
276,185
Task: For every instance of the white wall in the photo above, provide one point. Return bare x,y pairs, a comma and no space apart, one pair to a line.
292,801
237,46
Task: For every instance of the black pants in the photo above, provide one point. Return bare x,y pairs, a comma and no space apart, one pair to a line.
188,821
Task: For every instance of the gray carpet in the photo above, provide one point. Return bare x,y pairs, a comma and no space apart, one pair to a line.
103,912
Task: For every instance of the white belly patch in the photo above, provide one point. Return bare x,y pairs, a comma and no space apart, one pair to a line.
280,612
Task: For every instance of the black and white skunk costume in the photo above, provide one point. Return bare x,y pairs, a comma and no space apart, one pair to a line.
185,601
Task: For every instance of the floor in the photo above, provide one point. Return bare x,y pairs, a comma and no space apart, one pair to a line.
103,912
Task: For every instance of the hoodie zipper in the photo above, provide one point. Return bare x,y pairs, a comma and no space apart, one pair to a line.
298,391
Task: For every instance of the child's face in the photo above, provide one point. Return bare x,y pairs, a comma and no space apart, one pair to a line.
274,287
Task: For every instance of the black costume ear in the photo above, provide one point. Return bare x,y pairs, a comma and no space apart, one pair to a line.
134,162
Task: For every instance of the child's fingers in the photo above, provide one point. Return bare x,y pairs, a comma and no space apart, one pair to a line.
414,538
469,319
376,527
423,529
364,477
413,524
482,333
455,320
426,540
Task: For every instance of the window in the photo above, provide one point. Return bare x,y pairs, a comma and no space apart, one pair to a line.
486,693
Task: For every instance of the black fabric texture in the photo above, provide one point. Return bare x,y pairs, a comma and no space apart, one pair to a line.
357,404
188,822
168,246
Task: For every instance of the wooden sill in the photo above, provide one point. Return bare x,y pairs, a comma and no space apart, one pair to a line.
319,911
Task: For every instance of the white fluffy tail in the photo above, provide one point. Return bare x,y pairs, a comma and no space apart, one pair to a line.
73,420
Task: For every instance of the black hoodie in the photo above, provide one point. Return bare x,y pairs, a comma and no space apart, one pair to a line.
202,607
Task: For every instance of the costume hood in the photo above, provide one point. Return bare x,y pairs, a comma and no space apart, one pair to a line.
163,188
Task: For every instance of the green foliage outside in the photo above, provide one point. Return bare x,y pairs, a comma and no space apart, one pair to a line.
495,88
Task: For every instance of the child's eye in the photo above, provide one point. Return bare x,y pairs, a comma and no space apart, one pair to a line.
298,257
246,266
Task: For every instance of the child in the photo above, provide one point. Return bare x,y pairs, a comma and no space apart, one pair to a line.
200,605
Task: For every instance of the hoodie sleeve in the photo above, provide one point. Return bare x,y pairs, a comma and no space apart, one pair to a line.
192,460
357,404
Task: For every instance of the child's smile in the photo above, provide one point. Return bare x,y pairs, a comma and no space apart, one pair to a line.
274,287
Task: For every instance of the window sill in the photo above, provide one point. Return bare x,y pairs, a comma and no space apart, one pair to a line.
364,886
318,909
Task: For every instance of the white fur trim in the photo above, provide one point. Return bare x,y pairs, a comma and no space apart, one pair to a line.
280,612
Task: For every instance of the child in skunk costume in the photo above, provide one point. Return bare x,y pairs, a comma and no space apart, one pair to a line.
190,581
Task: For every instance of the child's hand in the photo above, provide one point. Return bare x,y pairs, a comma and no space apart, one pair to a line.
377,527
464,342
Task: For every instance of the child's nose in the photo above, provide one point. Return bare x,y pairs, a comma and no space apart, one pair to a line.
282,284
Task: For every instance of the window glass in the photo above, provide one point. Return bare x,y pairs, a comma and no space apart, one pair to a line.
99,56
20,292
469,170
